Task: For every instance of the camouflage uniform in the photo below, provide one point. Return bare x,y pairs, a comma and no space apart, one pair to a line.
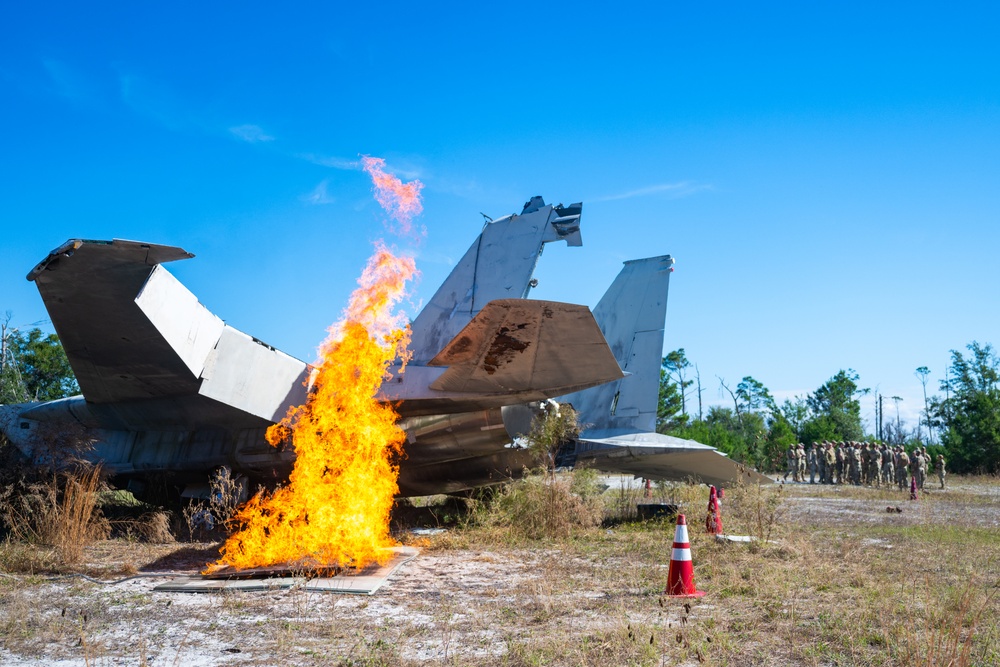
863,448
820,463
856,465
901,465
888,475
925,459
802,462
915,467
831,463
852,448
874,465
792,459
841,462
940,469
812,463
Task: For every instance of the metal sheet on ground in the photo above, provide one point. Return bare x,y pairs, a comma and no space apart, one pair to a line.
365,582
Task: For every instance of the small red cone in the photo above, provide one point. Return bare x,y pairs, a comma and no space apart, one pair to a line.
913,488
713,521
680,577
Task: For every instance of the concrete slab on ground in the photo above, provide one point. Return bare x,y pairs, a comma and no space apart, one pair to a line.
363,582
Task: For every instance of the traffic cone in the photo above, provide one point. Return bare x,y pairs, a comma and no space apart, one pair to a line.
680,576
913,488
718,511
713,521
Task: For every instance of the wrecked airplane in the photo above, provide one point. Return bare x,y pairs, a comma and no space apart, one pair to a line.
169,389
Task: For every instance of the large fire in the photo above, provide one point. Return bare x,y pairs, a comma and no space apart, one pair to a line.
334,511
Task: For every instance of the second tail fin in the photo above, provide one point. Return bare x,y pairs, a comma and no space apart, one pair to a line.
631,315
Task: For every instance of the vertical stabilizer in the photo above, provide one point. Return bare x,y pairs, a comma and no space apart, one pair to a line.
631,315
498,265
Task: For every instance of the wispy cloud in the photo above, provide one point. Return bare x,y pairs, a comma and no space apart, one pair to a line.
332,162
70,84
319,195
251,134
674,190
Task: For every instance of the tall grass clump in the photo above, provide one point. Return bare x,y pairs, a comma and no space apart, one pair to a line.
941,633
61,513
539,506
753,509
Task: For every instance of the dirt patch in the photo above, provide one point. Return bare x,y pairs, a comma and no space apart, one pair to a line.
843,582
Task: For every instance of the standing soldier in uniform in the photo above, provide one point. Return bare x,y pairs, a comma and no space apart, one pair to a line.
940,469
831,463
801,453
792,461
856,464
839,453
902,462
925,460
865,460
811,463
887,468
874,465
915,466
821,462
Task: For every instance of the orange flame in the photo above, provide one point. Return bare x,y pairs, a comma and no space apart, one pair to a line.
400,200
334,511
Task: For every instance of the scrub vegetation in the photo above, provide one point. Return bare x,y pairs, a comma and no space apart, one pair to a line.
835,579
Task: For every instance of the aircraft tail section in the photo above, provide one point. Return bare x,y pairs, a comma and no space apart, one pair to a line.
498,265
141,343
631,315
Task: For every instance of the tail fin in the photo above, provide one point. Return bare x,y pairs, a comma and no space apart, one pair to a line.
498,265
631,315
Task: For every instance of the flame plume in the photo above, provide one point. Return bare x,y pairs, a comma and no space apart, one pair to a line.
400,200
334,511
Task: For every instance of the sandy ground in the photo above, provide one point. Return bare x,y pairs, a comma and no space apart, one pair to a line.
441,605
446,605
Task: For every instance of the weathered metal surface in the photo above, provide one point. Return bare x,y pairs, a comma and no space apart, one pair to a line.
621,415
498,265
361,582
515,345
631,315
658,456
168,387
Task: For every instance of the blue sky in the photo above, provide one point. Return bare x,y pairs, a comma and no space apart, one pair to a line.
826,176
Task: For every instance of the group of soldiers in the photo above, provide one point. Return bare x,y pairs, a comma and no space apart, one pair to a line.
861,463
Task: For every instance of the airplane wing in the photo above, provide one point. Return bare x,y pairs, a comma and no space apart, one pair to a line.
658,456
516,345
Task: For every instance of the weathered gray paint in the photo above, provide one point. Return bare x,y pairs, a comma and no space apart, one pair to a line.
171,388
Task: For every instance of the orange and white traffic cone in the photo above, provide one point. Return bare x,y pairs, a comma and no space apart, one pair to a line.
680,576
713,521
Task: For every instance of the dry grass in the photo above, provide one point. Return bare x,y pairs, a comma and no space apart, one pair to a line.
537,507
62,514
853,586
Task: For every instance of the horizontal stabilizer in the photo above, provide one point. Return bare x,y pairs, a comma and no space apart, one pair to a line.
516,345
663,457
144,348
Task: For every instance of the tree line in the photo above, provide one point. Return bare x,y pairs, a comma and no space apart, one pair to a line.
757,431
33,366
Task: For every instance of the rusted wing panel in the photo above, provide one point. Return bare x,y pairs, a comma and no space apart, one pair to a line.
517,345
